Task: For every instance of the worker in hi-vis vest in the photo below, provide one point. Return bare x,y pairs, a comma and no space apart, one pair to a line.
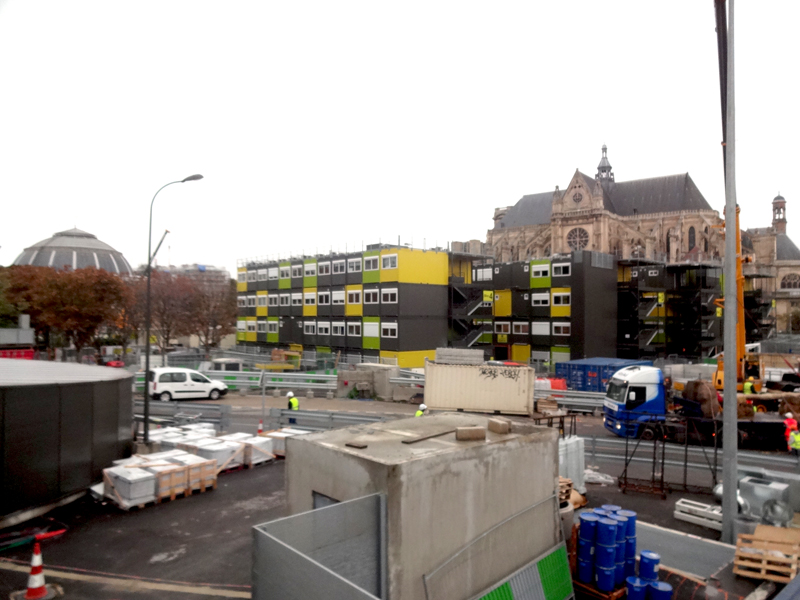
749,387
421,410
293,404
794,442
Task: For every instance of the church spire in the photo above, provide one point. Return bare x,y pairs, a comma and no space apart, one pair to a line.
604,172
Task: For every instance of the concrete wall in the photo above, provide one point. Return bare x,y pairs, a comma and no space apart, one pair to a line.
440,503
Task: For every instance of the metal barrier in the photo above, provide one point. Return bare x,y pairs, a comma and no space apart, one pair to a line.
322,420
578,401
253,380
219,414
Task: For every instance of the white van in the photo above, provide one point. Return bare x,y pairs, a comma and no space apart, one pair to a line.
173,383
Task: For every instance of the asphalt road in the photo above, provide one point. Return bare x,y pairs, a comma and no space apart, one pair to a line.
189,548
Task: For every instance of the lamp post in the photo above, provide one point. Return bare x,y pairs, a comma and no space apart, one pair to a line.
147,307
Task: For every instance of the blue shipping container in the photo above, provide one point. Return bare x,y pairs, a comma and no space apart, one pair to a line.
593,374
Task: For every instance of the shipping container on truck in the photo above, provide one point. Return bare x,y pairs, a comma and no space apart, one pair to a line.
593,374
502,389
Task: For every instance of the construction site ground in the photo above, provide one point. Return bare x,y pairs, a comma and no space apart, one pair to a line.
200,547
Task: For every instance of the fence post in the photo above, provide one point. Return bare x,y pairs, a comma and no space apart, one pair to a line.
594,451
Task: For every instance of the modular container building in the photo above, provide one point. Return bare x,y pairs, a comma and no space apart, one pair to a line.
60,425
593,374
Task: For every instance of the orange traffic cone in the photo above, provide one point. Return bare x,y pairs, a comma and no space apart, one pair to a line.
37,590
260,426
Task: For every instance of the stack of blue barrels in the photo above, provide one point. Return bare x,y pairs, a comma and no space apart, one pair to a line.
607,555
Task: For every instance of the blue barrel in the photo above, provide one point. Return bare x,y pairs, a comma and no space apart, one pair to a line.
631,516
622,527
600,511
619,556
630,567
588,528
630,547
612,508
605,556
637,588
619,574
605,578
585,550
648,565
606,532
659,590
585,571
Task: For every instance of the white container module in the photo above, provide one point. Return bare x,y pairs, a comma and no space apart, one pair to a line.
202,473
191,442
279,441
171,440
234,437
257,450
161,456
200,427
128,486
171,479
131,461
227,454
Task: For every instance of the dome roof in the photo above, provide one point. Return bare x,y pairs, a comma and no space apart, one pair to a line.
74,249
779,198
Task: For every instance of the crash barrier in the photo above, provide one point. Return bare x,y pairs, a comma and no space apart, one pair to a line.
322,420
182,413
577,401
254,380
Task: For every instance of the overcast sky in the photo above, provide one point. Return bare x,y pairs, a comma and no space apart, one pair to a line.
326,124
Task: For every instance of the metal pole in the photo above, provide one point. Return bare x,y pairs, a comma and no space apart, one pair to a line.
730,436
147,309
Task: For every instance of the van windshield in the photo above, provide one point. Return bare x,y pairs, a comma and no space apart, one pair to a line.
616,391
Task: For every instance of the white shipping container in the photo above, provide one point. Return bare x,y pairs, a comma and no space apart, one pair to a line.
480,388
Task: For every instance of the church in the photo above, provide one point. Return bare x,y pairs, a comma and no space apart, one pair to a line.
665,219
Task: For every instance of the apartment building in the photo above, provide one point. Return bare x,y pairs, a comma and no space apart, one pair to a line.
400,304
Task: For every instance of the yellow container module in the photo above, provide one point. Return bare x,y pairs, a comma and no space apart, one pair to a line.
502,303
409,265
310,302
353,297
262,310
241,282
560,302
521,353
414,359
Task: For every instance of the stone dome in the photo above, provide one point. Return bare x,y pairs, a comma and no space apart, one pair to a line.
74,249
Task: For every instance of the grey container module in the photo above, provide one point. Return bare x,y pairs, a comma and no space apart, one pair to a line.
132,485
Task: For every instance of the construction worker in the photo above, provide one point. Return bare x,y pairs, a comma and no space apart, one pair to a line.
794,442
791,425
749,386
421,410
293,403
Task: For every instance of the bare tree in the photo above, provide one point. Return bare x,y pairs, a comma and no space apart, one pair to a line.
173,305
215,312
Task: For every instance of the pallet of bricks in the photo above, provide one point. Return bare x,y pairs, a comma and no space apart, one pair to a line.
771,553
153,478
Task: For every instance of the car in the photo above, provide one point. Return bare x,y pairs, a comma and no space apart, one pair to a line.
174,383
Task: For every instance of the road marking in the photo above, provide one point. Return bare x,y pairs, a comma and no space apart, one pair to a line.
131,585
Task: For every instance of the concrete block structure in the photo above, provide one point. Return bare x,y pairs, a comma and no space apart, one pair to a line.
457,518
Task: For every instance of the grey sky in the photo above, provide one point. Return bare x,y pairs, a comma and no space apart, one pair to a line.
320,124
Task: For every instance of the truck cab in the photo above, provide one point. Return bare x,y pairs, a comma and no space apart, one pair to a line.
635,396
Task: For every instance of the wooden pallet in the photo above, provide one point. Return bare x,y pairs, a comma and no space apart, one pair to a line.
202,476
771,553
564,489
585,590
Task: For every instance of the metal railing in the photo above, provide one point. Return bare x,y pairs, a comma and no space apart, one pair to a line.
321,420
237,380
172,412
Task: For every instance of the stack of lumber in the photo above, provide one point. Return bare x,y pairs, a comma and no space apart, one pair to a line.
771,553
564,489
547,406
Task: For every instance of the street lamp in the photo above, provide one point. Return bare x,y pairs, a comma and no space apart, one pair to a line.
150,258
